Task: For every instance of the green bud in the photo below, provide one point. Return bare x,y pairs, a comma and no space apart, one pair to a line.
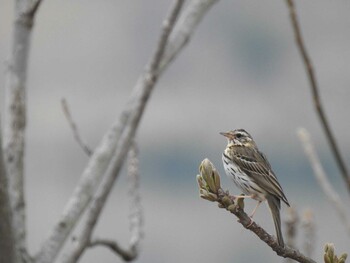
226,201
201,182
330,251
220,205
203,192
207,195
240,202
206,170
217,181
326,258
343,257
232,207
213,197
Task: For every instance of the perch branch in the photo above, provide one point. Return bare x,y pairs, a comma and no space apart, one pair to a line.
102,155
322,178
74,128
146,83
315,93
210,189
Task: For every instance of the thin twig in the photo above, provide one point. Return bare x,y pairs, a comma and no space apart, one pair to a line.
146,84
315,93
103,154
125,254
322,178
74,128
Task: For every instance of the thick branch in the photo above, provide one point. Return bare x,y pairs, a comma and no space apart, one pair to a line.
103,153
15,117
7,245
322,178
145,84
315,93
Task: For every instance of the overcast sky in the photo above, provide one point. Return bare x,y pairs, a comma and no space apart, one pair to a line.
240,70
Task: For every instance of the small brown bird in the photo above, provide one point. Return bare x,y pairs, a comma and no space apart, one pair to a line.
252,173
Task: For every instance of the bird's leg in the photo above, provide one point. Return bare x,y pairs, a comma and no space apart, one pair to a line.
254,210
243,196
252,214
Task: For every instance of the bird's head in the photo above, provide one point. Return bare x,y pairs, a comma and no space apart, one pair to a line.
239,137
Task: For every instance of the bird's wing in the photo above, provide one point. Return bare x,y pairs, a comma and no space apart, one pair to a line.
256,166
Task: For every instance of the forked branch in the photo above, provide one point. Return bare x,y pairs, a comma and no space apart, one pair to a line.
145,86
102,155
136,215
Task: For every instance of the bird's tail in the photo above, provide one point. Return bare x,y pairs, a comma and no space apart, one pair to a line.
275,205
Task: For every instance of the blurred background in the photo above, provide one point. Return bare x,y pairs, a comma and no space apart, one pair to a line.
240,70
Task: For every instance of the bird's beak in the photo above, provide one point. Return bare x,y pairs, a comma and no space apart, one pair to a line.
226,134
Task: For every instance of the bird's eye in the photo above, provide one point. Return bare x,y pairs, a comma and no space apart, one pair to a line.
238,135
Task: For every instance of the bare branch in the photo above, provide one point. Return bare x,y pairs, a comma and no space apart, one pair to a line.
185,28
322,178
126,255
315,93
83,192
245,221
31,8
136,213
210,189
15,120
7,245
74,128
103,153
145,85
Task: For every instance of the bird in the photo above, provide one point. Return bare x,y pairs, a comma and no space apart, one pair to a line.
252,173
